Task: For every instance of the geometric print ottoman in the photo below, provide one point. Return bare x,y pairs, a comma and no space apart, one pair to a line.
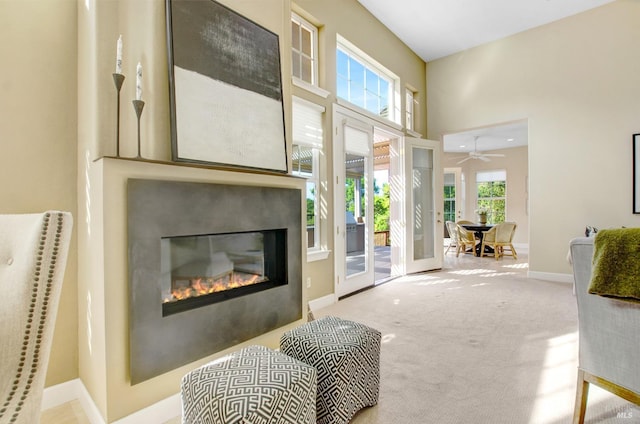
346,355
255,385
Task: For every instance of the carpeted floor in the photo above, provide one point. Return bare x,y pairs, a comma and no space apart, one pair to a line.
477,342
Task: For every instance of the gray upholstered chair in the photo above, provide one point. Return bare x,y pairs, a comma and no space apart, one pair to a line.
609,336
33,255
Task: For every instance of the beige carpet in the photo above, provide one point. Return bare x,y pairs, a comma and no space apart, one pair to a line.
477,342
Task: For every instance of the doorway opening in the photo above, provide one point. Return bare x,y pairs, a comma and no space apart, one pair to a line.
387,203
489,162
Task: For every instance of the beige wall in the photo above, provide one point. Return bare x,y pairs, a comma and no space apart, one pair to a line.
38,118
576,81
515,163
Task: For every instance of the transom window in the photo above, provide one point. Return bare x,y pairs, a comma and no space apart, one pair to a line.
365,83
304,48
492,194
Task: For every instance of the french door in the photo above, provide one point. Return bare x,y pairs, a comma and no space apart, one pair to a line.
416,219
423,200
353,167
453,194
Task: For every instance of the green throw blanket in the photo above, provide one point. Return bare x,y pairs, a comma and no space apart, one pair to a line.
616,264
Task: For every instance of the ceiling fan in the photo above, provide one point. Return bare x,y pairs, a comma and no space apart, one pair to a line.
475,154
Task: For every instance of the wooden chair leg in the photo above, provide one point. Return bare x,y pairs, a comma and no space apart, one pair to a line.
582,391
513,252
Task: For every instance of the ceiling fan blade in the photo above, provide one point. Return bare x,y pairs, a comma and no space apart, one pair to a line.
484,159
494,155
464,160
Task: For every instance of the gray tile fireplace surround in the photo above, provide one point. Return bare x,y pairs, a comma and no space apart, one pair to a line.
159,209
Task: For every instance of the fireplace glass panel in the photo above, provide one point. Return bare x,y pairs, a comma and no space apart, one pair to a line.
202,269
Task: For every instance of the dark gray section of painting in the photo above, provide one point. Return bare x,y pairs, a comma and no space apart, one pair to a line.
212,40
159,209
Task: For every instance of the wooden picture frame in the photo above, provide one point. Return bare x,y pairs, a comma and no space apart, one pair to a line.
225,88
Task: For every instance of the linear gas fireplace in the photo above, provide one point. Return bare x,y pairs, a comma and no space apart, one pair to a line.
203,269
210,266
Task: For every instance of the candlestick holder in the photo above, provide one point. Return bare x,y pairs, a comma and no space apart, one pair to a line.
118,79
138,105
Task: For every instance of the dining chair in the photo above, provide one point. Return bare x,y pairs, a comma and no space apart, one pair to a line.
466,239
498,238
464,221
33,255
453,235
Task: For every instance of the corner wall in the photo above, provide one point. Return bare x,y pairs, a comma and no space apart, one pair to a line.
38,117
576,80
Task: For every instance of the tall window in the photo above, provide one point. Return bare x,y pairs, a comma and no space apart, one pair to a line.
365,83
304,50
409,109
449,196
307,147
492,194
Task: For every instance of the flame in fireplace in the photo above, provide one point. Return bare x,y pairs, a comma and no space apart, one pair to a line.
200,286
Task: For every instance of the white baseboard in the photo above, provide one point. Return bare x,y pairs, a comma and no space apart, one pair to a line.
157,413
322,302
68,391
551,276
60,393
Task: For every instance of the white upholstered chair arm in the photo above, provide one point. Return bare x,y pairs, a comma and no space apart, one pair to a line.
33,255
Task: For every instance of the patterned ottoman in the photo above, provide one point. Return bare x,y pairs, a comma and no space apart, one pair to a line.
347,357
255,385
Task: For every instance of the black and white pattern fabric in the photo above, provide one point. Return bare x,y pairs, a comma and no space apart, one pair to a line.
346,355
255,385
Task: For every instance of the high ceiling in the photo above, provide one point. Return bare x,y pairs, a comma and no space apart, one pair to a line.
438,28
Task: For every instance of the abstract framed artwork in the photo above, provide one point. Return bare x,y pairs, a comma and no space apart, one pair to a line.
636,173
225,88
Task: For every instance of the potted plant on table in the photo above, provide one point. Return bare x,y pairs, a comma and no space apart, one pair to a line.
482,215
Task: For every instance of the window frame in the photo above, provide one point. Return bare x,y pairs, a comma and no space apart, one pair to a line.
382,72
491,199
409,112
315,252
304,23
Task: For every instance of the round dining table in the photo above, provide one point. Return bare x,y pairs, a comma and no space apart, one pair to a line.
478,231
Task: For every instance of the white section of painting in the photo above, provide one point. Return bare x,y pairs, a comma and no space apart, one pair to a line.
218,122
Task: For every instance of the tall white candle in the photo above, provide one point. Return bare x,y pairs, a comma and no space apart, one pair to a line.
139,82
119,56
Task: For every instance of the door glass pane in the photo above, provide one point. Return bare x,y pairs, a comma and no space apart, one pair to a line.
355,205
422,181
